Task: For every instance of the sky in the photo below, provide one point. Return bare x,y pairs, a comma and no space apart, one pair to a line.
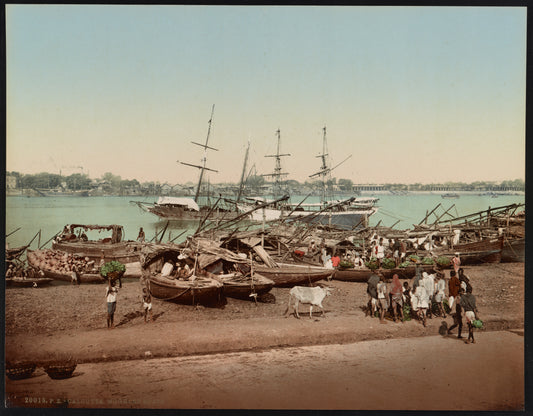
408,94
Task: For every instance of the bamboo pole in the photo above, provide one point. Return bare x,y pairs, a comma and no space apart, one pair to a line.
13,232
51,238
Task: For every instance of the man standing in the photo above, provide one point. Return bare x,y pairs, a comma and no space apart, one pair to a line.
421,297
456,261
453,288
372,290
383,296
457,316
468,303
111,298
440,287
429,284
396,297
380,252
141,236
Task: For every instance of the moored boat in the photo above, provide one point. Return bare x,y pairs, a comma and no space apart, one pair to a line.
362,274
27,282
73,240
240,286
54,265
196,290
288,275
514,250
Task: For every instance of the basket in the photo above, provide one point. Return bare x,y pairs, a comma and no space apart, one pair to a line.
20,371
115,275
59,371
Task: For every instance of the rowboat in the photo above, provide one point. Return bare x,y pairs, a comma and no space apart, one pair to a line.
482,251
112,248
289,275
48,271
237,285
514,250
362,275
27,282
196,290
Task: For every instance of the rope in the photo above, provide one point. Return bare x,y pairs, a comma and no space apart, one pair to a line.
172,297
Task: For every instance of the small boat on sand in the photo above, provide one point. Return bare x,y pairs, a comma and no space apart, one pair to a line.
289,275
54,265
27,282
200,290
362,274
240,286
514,250
73,240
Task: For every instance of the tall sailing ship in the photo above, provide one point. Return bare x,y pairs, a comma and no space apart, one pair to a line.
183,208
352,213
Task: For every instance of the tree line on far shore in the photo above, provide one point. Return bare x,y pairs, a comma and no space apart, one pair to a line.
114,184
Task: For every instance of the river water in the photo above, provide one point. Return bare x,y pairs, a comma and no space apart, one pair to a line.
50,214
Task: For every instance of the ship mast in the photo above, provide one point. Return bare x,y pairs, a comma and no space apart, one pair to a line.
277,170
241,185
202,167
325,169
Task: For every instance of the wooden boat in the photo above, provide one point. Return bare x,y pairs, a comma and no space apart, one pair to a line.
450,195
288,275
483,251
113,248
51,273
514,250
189,209
350,214
27,282
199,290
362,275
237,285
15,253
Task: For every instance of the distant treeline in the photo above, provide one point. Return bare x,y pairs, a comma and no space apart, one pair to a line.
113,184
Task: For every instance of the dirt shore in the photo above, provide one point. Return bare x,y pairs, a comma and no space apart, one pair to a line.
422,373
61,320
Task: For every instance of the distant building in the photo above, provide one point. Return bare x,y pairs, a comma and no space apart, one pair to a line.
368,187
11,182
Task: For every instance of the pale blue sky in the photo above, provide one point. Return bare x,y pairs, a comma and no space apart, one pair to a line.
415,94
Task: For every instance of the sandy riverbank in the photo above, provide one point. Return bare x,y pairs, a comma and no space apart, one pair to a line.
66,319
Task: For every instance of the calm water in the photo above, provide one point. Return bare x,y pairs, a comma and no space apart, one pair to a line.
50,214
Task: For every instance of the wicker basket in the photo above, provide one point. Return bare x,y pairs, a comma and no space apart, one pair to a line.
59,371
20,371
114,275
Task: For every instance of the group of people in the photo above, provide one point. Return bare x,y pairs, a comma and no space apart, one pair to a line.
425,297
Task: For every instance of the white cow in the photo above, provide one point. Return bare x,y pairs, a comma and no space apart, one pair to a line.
307,295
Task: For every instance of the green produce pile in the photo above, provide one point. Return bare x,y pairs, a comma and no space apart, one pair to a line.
112,266
388,263
405,264
372,264
443,261
346,265
414,258
406,312
427,260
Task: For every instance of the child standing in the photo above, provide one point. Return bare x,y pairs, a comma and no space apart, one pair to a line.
147,304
